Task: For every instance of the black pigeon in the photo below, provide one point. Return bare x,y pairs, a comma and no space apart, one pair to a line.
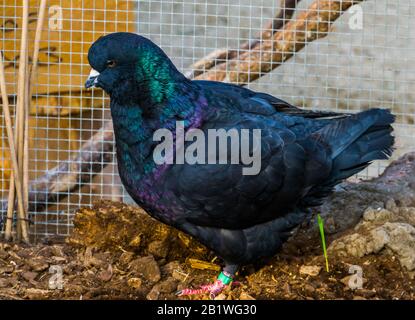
241,217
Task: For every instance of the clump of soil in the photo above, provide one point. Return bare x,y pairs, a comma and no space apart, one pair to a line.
119,252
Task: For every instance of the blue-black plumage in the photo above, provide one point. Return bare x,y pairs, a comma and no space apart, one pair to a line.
242,218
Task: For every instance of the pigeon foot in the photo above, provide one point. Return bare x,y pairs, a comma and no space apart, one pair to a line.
213,289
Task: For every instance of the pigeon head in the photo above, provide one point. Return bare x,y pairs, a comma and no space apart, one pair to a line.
130,67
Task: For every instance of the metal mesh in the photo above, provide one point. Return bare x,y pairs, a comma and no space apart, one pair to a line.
354,67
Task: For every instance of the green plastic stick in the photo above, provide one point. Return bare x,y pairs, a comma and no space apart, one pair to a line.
323,240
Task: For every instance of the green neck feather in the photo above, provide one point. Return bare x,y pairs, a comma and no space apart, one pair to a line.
159,76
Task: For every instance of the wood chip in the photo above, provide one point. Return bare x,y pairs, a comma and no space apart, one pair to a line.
312,271
246,296
203,265
135,283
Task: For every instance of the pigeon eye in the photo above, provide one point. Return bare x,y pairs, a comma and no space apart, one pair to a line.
111,63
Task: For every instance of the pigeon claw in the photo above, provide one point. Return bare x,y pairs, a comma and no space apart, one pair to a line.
213,289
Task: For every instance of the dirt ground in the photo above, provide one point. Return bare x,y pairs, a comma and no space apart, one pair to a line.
105,259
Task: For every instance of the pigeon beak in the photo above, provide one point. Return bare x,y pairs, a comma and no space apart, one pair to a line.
92,79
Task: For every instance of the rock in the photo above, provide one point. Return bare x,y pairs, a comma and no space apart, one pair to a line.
348,245
408,215
377,240
398,237
391,205
147,267
134,283
359,245
158,249
402,242
310,270
330,225
378,214
246,296
37,264
404,199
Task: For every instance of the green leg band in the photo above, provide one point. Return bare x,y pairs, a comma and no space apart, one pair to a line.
224,278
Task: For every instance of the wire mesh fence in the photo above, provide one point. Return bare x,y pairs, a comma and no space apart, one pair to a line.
365,61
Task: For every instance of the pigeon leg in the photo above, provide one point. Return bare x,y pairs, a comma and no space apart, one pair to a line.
213,289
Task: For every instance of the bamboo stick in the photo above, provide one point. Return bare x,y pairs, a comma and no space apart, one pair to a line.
38,35
22,221
12,195
12,186
10,208
12,190
23,159
30,78
26,145
13,155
